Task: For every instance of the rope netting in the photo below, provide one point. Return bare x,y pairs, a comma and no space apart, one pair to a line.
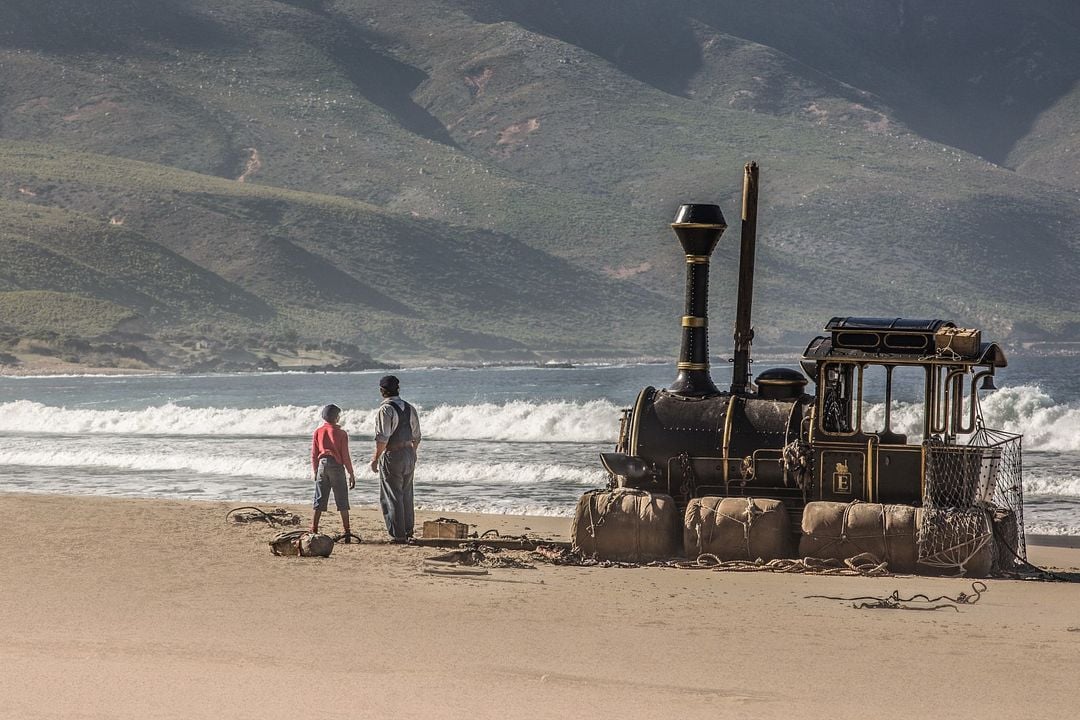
973,502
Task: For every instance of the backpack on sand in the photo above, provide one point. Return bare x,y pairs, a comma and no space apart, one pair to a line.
302,543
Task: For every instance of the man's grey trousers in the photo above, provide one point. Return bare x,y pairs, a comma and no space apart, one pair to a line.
396,490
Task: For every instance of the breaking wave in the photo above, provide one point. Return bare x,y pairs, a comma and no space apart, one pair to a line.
171,450
516,421
1027,409
1023,409
110,458
481,474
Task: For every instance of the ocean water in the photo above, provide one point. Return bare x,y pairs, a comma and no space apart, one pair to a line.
505,440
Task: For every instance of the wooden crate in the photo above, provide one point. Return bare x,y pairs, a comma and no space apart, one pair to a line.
965,342
448,529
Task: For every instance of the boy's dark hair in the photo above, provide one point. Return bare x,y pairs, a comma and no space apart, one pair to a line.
330,413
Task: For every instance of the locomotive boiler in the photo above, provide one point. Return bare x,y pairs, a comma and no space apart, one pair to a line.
799,436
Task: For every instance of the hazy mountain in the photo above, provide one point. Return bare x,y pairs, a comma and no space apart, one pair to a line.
483,178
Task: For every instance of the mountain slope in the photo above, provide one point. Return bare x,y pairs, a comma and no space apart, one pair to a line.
335,267
274,167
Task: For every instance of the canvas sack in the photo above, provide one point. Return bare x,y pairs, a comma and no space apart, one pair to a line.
625,525
838,531
737,528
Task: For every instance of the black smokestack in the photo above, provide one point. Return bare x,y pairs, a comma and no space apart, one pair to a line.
698,228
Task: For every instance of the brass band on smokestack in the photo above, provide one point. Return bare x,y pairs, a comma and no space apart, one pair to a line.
744,331
698,228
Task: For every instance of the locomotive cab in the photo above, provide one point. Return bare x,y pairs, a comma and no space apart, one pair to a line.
884,387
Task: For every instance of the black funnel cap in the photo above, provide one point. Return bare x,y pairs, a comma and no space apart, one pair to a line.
698,228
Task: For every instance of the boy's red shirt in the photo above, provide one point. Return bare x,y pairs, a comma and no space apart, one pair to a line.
333,442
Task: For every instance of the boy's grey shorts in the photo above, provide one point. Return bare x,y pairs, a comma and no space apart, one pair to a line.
331,476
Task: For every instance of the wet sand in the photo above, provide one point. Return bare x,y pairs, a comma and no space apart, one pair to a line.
115,608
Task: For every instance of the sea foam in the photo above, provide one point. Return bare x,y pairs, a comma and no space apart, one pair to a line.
1026,409
516,421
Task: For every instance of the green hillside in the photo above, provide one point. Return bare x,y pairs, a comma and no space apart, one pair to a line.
482,179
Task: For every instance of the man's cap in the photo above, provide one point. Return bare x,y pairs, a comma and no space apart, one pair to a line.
389,382
329,411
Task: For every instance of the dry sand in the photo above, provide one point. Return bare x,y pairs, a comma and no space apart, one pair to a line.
145,609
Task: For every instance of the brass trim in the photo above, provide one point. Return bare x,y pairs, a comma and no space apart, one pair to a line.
693,321
876,343
716,226
899,359
691,366
922,473
727,438
697,259
819,460
892,449
925,345
779,459
700,458
635,423
870,460
879,330
820,398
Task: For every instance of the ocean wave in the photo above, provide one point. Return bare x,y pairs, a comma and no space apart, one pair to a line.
522,421
1038,483
436,475
1026,409
508,474
1023,409
1052,527
110,458
515,421
26,416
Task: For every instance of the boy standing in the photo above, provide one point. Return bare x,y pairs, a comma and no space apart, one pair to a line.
329,461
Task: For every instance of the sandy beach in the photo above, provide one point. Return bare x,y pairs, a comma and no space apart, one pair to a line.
116,608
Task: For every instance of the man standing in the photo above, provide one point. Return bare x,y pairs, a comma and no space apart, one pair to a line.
397,436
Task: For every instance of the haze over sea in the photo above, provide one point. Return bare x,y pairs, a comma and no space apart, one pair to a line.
502,440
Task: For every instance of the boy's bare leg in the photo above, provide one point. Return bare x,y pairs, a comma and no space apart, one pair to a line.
345,520
315,521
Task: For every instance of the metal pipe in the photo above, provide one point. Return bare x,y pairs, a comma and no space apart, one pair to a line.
888,397
744,331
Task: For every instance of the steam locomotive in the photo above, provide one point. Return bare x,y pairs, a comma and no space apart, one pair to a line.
769,437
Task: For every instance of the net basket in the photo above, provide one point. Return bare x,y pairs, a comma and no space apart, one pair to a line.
973,496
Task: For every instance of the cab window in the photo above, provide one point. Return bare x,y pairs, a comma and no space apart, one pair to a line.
837,400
